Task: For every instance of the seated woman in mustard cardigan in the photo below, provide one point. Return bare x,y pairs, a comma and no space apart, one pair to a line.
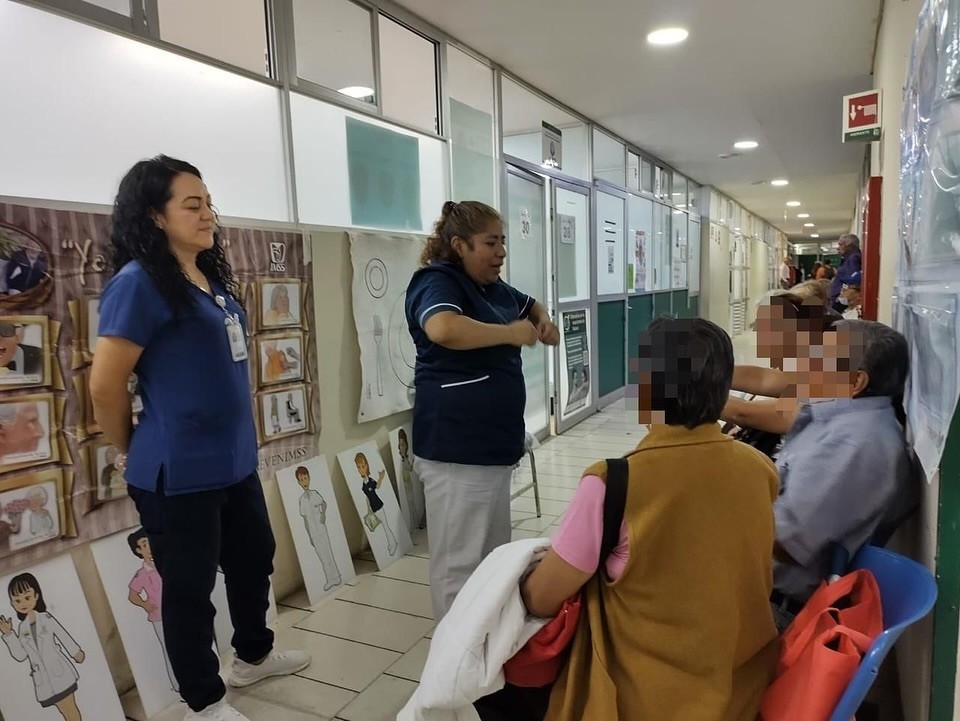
679,624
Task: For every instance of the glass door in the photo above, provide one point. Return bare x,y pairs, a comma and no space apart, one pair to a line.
576,387
527,271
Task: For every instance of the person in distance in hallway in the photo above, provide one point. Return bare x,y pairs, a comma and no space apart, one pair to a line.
191,462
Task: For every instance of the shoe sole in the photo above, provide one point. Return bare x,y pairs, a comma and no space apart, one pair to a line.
236,683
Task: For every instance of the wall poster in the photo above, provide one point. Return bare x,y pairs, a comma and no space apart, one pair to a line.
51,662
637,271
382,268
59,486
575,361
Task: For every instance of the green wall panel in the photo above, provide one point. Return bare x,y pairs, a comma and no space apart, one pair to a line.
639,315
661,304
610,347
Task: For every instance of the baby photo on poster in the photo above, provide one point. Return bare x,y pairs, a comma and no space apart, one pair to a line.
135,594
51,664
375,502
316,527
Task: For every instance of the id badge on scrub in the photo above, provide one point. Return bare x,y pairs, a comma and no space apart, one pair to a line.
237,338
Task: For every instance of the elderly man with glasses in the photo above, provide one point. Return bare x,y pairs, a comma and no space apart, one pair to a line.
849,270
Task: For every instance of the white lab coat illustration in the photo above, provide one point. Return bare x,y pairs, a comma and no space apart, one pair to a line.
314,511
52,672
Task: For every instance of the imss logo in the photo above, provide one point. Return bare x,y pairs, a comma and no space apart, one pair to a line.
278,257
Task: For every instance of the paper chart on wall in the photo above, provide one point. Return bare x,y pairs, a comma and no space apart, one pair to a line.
135,592
382,268
317,527
52,656
375,503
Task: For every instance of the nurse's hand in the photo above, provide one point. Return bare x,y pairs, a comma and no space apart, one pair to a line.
80,655
6,625
548,332
522,332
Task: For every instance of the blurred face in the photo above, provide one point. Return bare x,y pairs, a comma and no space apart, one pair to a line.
24,601
776,336
23,433
10,339
281,300
830,370
483,254
188,218
304,480
646,413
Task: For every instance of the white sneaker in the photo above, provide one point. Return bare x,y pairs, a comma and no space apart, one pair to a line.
277,663
220,711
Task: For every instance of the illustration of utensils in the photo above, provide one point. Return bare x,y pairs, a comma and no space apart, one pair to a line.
378,337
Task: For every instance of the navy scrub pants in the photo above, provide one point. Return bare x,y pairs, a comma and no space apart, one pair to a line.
191,535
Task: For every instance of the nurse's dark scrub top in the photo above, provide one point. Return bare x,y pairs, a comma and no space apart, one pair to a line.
196,430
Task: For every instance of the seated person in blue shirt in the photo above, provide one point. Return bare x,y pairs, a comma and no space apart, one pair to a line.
847,476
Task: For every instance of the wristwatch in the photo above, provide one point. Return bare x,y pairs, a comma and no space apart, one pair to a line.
121,463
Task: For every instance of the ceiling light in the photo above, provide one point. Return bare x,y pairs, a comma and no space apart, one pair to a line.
814,235
746,144
667,36
803,215
779,183
808,225
356,91
790,203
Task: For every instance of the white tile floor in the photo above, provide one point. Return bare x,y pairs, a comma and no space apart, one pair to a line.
369,642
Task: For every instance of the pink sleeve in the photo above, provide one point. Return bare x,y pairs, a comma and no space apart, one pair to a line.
578,540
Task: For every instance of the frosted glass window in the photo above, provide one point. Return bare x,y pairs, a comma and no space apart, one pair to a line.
647,177
633,171
121,7
662,234
470,84
693,265
608,158
640,268
334,43
571,224
232,31
408,76
678,195
524,113
693,198
611,275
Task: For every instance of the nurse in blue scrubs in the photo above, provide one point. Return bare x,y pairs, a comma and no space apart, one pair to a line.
170,314
468,327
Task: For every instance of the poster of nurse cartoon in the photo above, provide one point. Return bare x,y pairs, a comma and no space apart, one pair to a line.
52,666
409,485
316,527
373,496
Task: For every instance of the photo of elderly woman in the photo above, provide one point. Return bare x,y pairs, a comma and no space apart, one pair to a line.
280,304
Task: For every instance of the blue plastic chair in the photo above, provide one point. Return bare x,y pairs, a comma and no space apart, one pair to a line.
907,592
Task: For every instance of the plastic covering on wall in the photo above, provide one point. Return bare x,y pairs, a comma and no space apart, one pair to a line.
928,277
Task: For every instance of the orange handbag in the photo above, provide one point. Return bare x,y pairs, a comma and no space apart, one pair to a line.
822,649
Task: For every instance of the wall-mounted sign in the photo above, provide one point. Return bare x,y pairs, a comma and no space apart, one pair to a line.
552,146
862,117
568,229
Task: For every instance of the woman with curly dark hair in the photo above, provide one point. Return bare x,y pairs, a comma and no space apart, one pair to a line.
468,430
171,314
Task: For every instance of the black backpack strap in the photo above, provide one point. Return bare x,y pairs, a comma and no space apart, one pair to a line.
614,503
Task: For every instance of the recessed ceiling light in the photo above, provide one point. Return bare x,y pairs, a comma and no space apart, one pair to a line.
746,144
791,203
356,91
803,215
808,225
779,183
814,235
667,36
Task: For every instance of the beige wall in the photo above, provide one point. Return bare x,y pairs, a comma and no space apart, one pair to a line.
919,538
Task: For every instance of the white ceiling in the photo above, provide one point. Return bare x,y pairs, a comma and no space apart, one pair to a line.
768,70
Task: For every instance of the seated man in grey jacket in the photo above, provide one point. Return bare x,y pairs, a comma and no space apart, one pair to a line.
846,474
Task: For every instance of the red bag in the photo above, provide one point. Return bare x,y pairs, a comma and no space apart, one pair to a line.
538,662
822,649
